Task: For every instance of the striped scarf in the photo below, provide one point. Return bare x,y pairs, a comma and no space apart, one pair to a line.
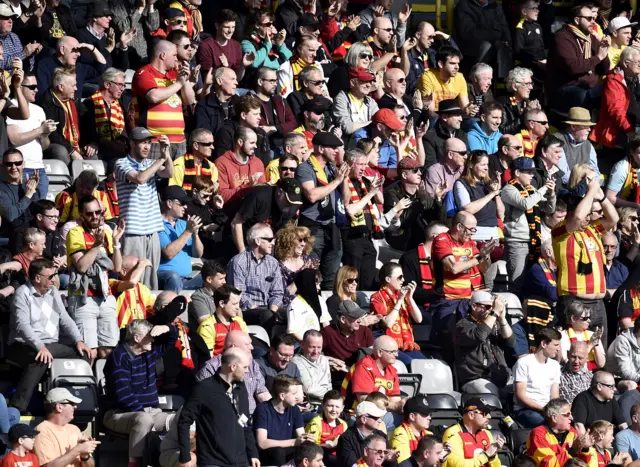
108,125
112,193
320,173
401,331
128,311
191,171
196,18
584,40
548,273
358,218
533,219
183,345
604,15
631,189
426,276
71,130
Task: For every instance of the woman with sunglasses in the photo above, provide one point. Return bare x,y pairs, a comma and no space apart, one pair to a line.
308,309
345,287
628,234
292,249
359,55
578,322
265,42
395,305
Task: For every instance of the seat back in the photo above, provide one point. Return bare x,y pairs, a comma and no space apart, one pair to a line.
519,438
436,376
514,306
56,171
68,367
401,368
97,166
54,190
410,384
260,333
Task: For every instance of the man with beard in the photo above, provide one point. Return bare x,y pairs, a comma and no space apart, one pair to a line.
275,205
212,111
447,126
103,129
577,148
93,253
313,117
138,197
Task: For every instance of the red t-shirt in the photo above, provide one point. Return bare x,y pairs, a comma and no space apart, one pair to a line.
367,378
12,460
455,286
164,118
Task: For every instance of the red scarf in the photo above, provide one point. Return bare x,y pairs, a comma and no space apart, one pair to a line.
591,364
401,331
183,345
426,275
71,130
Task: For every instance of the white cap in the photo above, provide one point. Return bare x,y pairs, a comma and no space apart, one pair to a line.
620,22
6,11
481,296
58,395
369,408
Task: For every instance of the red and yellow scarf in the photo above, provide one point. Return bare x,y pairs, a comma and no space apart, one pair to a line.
71,129
191,171
183,345
109,126
358,219
401,331
320,173
127,312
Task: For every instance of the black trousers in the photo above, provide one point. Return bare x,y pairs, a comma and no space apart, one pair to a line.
276,456
260,316
360,254
24,355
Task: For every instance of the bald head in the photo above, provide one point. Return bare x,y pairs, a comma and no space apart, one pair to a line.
67,41
579,348
238,339
381,22
163,47
164,298
385,343
454,144
235,355
129,262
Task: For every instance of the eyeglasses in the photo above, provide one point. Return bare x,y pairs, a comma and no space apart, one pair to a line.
353,280
480,412
302,239
527,84
316,83
378,452
401,80
94,213
390,352
590,19
585,318
461,153
610,386
609,247
400,277
273,81
468,229
566,415
179,22
120,85
51,276
284,356
31,87
178,202
267,24
416,170
207,144
268,239
13,163
53,217
517,148
288,169
365,56
541,122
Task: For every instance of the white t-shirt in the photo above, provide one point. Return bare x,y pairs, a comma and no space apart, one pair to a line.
538,376
32,151
618,175
301,317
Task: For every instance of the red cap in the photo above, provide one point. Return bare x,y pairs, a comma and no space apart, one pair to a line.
361,74
389,118
408,163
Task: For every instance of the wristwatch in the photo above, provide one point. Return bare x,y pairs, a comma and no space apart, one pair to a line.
493,313
86,458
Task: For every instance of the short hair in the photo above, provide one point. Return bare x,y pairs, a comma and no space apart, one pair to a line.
547,335
255,231
431,228
283,339
197,134
246,104
546,142
531,115
503,141
242,133
369,440
282,383
203,183
224,293
561,205
88,177
110,74
478,69
351,59
376,397
37,266
287,157
601,426
628,53
307,450
555,406
305,74
332,395
386,270
60,73
635,408
447,52
625,213
84,201
351,155
137,327
217,74
10,152
211,268
518,73
230,356
527,4
41,206
226,16
366,145
426,443
290,138
489,106
311,333
31,235
576,310
522,460
261,72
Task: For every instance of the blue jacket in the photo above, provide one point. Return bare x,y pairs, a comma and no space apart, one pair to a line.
478,139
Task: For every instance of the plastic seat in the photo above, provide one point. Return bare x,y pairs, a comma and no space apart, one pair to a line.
410,384
514,306
97,166
53,191
401,368
445,410
76,376
260,333
519,439
57,172
437,377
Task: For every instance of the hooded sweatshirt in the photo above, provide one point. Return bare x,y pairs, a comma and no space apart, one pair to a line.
235,178
623,357
478,139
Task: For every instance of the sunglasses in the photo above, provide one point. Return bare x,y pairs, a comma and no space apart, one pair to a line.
31,87
207,144
378,452
267,24
585,318
386,29
400,277
188,46
352,281
416,171
633,218
517,148
541,122
179,22
610,386
302,239
591,19
316,83
268,239
461,153
51,276
94,213
287,169
366,56
13,164
401,80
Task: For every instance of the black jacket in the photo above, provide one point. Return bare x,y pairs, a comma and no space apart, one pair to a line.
54,111
351,446
65,17
434,143
476,24
528,43
222,439
118,58
210,114
410,263
541,175
511,117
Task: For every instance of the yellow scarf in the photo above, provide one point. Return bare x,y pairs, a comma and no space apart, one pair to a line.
320,174
584,40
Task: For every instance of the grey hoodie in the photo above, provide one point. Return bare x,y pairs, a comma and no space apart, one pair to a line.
623,357
516,227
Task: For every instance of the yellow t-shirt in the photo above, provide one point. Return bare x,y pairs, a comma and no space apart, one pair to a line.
178,172
614,56
214,332
273,172
430,83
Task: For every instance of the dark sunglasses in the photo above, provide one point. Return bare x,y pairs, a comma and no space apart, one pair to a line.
541,122
386,29
316,83
589,18
585,318
366,56
188,46
179,22
517,148
94,213
287,169
401,80
268,239
32,87
270,23
12,164
462,153
352,281
205,143
416,170
50,277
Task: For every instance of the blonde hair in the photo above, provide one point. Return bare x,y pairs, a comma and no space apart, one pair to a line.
378,398
579,172
287,240
344,273
601,427
60,73
625,213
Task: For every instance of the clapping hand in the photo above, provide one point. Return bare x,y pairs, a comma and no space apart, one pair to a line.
595,337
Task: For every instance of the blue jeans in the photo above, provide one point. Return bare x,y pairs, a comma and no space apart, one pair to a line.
43,183
576,96
529,418
408,357
9,416
172,281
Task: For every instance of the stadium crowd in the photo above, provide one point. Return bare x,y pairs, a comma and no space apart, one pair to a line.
292,218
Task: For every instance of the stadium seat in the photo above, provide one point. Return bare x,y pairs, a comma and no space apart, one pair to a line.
53,191
445,410
518,439
514,306
97,166
57,172
260,333
409,384
436,377
76,376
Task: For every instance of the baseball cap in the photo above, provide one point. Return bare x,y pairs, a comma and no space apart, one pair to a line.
309,20
408,164
175,192
369,408
477,403
174,13
328,139
6,11
619,23
292,190
481,296
388,117
58,395
139,134
317,105
351,309
523,163
361,74
417,404
20,430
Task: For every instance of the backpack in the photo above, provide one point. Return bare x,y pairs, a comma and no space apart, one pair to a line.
450,205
